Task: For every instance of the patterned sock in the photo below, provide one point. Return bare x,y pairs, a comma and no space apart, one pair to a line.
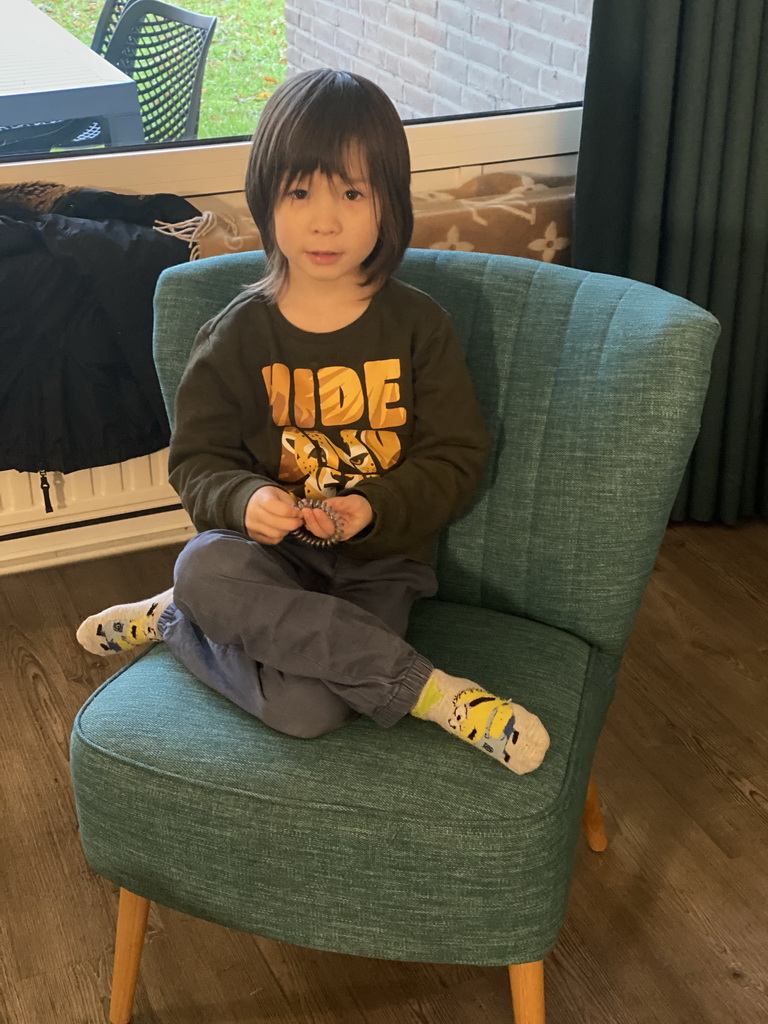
504,730
124,626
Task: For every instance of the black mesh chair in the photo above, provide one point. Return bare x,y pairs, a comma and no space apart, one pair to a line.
164,49
111,13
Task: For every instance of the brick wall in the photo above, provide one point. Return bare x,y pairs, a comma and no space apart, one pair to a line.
437,57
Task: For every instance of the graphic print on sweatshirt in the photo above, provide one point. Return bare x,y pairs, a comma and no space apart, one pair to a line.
335,424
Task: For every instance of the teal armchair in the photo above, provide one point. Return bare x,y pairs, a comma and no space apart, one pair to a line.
402,843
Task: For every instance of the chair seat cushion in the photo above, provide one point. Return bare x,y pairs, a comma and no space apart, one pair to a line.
401,843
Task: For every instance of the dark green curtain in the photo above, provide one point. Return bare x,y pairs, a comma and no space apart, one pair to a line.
672,189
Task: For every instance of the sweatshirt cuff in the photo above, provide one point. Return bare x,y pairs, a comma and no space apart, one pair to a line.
374,498
237,502
388,526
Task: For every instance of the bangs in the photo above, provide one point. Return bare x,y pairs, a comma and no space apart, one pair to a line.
335,143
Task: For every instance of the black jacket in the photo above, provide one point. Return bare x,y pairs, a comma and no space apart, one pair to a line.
77,382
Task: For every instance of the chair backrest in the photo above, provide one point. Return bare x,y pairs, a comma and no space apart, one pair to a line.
163,49
111,13
592,388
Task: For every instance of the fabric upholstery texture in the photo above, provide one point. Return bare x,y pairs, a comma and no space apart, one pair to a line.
404,843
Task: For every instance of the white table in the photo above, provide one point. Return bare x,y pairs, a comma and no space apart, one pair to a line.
48,75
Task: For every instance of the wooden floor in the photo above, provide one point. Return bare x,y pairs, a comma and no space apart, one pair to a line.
668,926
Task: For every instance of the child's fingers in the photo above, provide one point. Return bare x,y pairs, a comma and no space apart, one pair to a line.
355,513
318,522
265,534
268,527
281,509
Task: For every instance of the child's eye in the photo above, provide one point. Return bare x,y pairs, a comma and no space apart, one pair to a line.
298,193
353,194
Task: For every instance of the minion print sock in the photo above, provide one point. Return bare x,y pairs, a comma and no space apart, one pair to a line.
506,731
124,626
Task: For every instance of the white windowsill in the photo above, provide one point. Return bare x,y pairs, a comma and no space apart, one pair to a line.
217,168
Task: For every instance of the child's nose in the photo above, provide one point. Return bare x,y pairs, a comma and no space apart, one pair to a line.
325,215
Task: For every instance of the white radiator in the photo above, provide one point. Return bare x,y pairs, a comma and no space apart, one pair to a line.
96,512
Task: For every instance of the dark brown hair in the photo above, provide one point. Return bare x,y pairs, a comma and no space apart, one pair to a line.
312,122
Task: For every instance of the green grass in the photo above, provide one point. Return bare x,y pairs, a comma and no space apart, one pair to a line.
246,61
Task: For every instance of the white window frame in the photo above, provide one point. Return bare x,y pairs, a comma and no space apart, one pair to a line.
219,168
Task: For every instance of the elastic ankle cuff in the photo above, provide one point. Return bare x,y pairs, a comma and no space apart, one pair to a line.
166,618
406,694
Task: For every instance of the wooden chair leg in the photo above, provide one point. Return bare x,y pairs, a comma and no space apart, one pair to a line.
527,984
132,916
594,826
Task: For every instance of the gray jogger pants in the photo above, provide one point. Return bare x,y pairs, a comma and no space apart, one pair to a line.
301,637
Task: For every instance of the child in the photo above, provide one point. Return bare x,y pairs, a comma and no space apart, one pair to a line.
326,380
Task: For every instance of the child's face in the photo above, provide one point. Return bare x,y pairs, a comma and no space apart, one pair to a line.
325,228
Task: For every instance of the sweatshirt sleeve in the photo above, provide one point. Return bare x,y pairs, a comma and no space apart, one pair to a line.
209,466
444,464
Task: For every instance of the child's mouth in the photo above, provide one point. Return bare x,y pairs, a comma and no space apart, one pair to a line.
323,257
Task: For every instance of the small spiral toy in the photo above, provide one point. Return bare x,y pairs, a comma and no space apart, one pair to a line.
303,534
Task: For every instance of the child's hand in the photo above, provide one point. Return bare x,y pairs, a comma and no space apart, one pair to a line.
353,510
270,515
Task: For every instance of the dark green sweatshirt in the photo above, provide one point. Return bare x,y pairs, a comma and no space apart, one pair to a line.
383,407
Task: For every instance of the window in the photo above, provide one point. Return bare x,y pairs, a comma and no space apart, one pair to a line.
435,58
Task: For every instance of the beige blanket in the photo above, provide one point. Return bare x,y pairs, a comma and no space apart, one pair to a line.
512,214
